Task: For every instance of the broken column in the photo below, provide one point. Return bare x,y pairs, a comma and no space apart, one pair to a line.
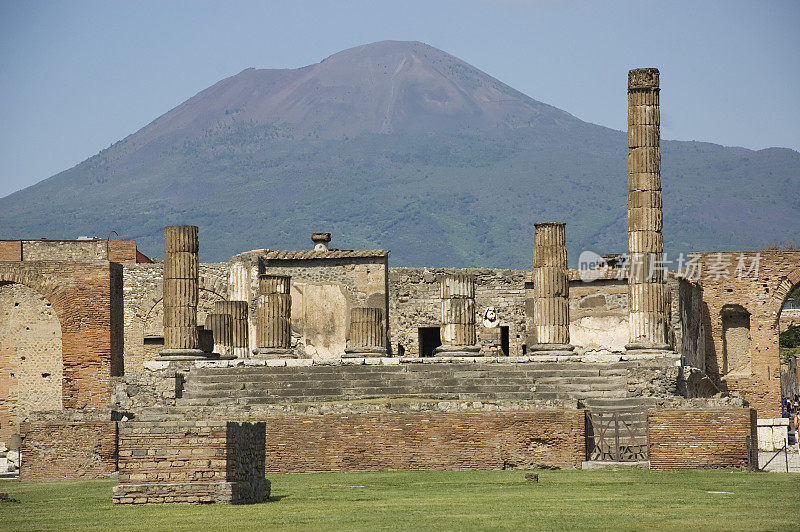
647,324
238,282
180,292
458,316
367,334
221,327
274,326
550,289
238,312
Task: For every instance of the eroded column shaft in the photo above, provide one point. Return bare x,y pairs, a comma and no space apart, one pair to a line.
238,310
646,283
221,326
550,288
367,333
274,328
458,332
180,290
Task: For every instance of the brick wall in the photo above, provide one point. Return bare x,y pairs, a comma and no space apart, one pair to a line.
10,250
762,296
701,438
68,450
191,461
425,440
122,251
81,296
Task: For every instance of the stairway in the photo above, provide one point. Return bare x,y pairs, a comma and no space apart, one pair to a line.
253,385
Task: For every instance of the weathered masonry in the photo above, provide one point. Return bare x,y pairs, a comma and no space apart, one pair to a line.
193,380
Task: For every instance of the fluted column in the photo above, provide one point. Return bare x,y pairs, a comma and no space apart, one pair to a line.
550,289
239,282
647,319
221,327
458,316
367,334
180,292
274,325
238,312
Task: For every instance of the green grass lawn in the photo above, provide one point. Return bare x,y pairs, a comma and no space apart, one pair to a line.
628,500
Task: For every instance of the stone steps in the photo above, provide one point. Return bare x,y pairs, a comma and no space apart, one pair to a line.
260,385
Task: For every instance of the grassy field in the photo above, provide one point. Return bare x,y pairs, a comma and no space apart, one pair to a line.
621,500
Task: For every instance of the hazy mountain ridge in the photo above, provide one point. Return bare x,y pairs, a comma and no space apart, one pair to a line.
401,146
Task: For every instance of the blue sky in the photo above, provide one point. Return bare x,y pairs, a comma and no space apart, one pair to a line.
78,75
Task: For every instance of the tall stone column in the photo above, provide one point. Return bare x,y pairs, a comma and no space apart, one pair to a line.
550,289
221,327
181,292
367,334
274,324
240,326
458,333
647,292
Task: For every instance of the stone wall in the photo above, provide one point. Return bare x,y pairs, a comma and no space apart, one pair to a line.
143,309
323,291
121,251
761,293
414,302
425,440
702,438
687,323
30,356
191,461
598,308
69,445
598,314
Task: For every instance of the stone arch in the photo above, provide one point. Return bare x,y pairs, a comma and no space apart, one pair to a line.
148,321
781,293
31,359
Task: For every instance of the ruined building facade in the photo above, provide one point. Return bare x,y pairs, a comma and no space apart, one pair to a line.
527,365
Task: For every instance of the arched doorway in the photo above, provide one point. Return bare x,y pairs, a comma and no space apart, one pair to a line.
31,365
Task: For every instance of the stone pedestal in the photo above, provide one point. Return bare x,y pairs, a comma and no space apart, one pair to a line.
238,310
367,333
550,289
646,284
274,324
181,293
221,327
458,333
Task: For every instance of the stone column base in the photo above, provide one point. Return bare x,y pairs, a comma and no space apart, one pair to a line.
241,492
648,348
185,354
548,348
457,351
364,352
241,352
273,352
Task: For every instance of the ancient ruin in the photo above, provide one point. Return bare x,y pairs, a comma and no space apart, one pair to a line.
107,364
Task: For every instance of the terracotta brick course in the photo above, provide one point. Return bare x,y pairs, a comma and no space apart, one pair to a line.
10,250
701,438
68,450
425,441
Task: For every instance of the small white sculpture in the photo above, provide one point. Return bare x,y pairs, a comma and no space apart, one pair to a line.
490,318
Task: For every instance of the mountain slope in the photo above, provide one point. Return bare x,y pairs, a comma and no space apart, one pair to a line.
398,145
